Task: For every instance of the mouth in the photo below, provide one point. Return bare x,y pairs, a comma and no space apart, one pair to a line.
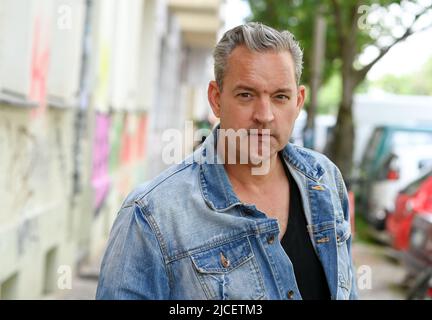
261,136
255,132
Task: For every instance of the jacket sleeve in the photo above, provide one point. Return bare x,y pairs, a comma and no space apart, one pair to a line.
343,195
133,266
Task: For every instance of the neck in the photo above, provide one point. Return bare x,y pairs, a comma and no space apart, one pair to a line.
241,174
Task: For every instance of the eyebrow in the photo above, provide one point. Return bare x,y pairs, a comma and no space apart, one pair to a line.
284,90
247,88
242,87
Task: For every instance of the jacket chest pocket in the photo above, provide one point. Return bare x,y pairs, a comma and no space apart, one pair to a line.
229,271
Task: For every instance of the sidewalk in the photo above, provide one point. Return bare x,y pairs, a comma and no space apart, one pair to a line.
386,272
84,283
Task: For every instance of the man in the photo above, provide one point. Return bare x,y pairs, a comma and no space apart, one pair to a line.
212,227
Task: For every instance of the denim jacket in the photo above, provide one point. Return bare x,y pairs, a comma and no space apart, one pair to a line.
186,235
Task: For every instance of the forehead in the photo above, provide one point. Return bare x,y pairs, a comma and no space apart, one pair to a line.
260,69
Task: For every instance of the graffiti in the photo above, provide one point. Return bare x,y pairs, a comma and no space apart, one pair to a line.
127,142
103,74
133,139
28,165
61,151
77,161
39,65
115,140
80,116
125,181
133,147
142,137
22,161
119,141
100,179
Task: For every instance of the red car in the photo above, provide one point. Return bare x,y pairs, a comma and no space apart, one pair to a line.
418,258
415,199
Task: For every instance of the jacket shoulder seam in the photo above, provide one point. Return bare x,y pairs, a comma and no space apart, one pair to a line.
155,184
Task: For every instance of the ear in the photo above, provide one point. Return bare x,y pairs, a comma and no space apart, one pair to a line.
213,94
301,97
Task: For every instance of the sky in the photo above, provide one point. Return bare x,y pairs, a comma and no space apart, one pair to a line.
405,57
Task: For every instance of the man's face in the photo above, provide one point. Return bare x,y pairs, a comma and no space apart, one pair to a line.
259,92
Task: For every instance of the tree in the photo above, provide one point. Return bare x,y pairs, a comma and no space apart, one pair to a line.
417,83
353,26
318,46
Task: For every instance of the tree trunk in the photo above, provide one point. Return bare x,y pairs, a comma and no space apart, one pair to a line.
317,59
342,142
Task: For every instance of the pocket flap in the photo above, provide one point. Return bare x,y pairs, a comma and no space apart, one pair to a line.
223,258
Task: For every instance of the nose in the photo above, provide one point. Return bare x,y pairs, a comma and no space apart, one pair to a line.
263,111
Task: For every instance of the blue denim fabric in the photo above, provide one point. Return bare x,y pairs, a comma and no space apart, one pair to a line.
186,235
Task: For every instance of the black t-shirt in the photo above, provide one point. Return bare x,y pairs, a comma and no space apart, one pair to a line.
297,244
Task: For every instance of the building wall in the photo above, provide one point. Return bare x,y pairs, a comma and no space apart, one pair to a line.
36,226
87,88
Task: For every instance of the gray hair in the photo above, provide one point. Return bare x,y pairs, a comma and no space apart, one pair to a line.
256,37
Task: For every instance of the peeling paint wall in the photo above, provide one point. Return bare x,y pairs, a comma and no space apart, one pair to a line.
71,147
78,109
35,185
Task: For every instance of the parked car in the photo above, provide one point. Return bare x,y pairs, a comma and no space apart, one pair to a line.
418,258
415,199
395,156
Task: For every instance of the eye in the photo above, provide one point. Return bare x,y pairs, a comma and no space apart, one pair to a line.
244,95
282,97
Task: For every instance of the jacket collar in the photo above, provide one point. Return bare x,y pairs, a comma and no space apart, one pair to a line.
216,186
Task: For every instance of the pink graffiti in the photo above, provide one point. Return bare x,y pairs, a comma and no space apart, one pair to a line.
142,137
39,65
126,143
100,178
133,143
133,147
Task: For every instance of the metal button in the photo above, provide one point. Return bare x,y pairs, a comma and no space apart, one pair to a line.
290,294
225,262
270,239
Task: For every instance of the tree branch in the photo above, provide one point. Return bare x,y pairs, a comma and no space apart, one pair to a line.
361,74
353,31
354,15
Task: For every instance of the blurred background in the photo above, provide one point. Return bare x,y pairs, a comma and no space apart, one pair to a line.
88,88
